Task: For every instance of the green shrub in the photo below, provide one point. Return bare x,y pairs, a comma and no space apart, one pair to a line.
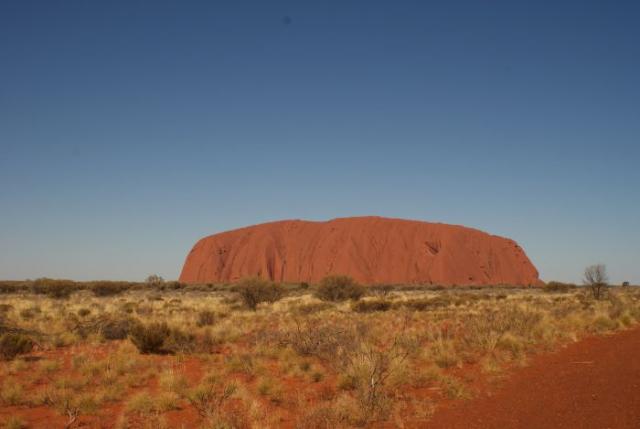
11,345
339,288
149,338
255,290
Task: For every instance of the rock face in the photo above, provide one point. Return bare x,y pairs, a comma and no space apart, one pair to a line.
372,250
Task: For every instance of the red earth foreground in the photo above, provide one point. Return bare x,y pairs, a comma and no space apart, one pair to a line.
592,384
372,250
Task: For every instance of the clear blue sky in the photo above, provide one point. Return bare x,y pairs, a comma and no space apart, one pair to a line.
130,129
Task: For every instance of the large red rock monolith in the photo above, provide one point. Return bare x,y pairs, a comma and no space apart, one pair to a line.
372,250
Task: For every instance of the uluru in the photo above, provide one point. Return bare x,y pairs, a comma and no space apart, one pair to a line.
371,250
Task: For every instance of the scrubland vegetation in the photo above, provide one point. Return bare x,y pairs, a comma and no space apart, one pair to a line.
263,355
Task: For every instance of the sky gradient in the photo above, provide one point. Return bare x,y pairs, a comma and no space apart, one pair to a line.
130,129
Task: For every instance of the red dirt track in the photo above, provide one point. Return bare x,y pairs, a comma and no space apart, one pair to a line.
594,383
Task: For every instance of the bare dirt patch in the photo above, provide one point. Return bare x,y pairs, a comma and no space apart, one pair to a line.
594,383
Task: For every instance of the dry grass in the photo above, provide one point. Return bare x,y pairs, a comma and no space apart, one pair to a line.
324,364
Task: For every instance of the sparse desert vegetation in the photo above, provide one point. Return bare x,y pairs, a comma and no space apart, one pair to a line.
260,355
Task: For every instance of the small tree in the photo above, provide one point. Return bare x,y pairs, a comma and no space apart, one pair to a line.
154,280
596,279
149,338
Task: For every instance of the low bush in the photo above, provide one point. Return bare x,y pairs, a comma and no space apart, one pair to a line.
484,331
454,388
30,313
115,329
159,338
382,290
314,307
554,286
271,389
339,288
149,338
371,306
444,354
206,318
243,363
9,286
255,291
174,285
602,323
346,381
59,289
180,342
427,304
329,342
105,288
12,345
209,397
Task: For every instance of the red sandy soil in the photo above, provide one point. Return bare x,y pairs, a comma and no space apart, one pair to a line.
372,250
594,383
47,417
186,416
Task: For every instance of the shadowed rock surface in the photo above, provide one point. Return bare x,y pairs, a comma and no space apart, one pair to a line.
372,250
